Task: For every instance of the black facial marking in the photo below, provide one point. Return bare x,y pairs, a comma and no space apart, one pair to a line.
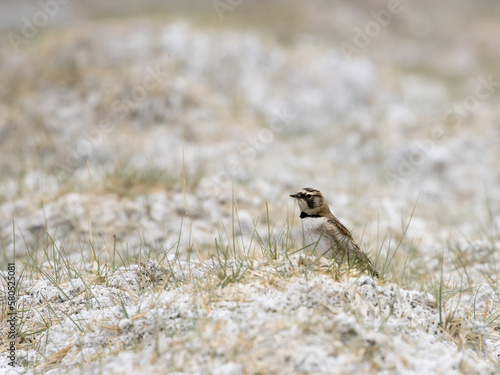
310,202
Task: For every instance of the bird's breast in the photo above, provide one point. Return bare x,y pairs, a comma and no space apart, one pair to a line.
314,237
313,224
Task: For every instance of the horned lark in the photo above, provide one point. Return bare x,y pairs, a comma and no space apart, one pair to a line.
327,234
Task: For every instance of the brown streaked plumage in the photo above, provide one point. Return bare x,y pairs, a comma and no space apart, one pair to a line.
328,232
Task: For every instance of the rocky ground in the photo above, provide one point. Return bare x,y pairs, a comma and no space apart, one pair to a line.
111,127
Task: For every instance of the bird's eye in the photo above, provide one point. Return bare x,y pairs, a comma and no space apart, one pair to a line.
308,195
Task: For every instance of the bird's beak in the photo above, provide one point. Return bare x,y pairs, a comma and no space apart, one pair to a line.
294,196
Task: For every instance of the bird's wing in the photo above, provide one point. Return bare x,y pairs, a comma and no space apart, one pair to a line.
335,223
345,240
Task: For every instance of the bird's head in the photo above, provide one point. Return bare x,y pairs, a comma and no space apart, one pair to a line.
310,201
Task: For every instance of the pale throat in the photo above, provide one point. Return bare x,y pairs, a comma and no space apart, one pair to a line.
310,211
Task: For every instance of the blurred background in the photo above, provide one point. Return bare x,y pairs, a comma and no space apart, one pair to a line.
390,108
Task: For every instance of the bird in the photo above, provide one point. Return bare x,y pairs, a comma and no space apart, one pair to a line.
327,233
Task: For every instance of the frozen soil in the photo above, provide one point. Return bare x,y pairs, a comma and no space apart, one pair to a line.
293,315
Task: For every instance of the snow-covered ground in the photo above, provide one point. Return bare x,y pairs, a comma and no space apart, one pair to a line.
286,315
